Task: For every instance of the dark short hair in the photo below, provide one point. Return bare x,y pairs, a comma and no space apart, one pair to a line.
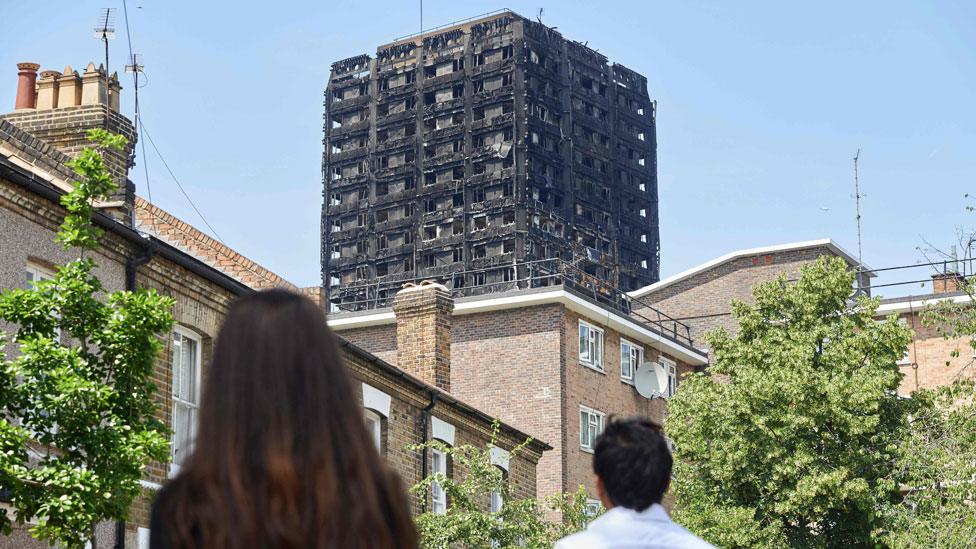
632,459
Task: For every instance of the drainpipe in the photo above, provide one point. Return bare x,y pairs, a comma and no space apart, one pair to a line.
131,267
120,534
133,264
425,438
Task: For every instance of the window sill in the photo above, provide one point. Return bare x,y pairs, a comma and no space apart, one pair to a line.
586,450
593,367
627,381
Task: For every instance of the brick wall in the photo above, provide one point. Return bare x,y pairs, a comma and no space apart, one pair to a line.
65,130
602,391
404,428
508,364
380,340
930,363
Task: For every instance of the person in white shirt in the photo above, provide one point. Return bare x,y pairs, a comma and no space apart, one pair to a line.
633,470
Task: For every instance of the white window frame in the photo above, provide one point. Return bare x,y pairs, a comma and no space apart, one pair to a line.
37,272
591,352
438,496
595,421
194,407
671,367
374,425
633,357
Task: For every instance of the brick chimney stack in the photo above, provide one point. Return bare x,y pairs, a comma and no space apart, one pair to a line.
423,317
61,108
26,82
948,282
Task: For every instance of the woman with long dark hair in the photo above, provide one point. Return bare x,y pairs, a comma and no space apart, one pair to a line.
282,458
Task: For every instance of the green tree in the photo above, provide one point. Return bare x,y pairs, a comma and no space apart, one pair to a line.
78,423
791,439
937,463
937,468
468,522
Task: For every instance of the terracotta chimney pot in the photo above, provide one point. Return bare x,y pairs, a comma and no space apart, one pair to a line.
26,85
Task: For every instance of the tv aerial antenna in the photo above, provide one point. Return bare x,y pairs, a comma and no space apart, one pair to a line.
857,209
105,31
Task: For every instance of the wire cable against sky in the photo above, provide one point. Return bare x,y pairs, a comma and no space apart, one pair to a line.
136,69
178,184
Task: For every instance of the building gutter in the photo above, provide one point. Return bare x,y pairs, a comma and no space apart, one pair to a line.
919,303
25,179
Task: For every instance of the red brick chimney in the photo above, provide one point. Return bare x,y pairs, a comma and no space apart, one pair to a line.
26,83
948,282
423,317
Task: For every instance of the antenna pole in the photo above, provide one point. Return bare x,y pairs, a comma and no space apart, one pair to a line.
135,67
104,31
857,206
108,89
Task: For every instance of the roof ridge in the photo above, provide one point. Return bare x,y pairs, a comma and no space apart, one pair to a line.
176,231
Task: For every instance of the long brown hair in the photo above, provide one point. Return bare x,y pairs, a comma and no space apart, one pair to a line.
282,457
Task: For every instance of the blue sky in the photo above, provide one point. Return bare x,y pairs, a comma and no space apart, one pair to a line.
761,106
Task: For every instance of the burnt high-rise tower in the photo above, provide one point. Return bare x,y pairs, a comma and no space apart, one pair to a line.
488,155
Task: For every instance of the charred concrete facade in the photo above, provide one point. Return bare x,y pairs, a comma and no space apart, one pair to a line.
473,153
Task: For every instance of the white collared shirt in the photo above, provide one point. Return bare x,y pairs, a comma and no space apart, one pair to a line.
621,528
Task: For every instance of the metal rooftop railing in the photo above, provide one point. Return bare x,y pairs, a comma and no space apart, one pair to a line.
496,279
920,278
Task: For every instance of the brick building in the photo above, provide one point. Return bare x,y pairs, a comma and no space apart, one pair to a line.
144,246
700,297
473,153
551,361
931,359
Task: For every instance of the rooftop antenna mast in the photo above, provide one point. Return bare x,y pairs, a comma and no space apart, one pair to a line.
105,31
857,206
136,68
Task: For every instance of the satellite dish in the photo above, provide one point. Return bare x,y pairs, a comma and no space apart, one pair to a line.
650,380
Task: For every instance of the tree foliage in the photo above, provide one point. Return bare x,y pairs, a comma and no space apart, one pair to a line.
78,423
937,468
467,521
937,463
792,439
